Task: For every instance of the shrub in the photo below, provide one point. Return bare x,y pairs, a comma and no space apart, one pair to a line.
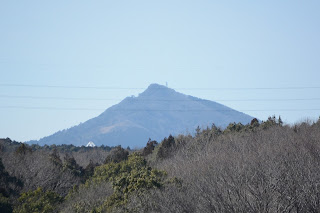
166,147
149,147
70,163
23,149
38,201
55,158
126,177
272,121
234,127
5,205
116,155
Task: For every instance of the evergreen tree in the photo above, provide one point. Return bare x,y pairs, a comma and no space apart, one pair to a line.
149,147
166,147
38,201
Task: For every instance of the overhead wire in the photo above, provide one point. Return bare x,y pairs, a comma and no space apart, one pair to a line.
140,88
156,110
137,88
160,100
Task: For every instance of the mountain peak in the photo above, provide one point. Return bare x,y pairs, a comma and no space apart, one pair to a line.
156,86
157,90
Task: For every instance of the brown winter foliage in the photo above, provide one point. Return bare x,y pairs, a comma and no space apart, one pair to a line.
259,167
271,168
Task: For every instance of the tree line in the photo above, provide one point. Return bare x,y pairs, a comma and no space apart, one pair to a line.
263,166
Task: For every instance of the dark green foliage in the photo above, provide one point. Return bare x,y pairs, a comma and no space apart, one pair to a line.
147,150
272,121
198,131
89,170
216,130
9,185
38,201
116,155
254,123
166,147
127,177
55,158
239,127
5,206
35,147
5,142
233,127
280,123
23,149
70,163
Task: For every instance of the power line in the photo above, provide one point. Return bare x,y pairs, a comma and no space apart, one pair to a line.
155,110
68,87
250,88
58,98
139,88
48,108
149,100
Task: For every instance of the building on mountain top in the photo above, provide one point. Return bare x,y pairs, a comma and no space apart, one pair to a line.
90,144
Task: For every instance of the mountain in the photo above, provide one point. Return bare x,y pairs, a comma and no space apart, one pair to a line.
155,113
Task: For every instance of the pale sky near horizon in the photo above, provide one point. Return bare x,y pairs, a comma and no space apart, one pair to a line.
258,57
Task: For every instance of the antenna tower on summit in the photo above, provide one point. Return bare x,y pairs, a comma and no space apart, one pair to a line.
166,84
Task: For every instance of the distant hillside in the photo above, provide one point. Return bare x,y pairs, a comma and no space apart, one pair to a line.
155,113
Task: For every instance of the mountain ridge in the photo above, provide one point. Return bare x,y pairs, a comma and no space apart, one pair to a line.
155,113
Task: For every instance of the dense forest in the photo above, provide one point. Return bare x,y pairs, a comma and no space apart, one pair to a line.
259,167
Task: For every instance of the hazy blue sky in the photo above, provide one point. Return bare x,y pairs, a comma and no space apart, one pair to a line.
192,45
